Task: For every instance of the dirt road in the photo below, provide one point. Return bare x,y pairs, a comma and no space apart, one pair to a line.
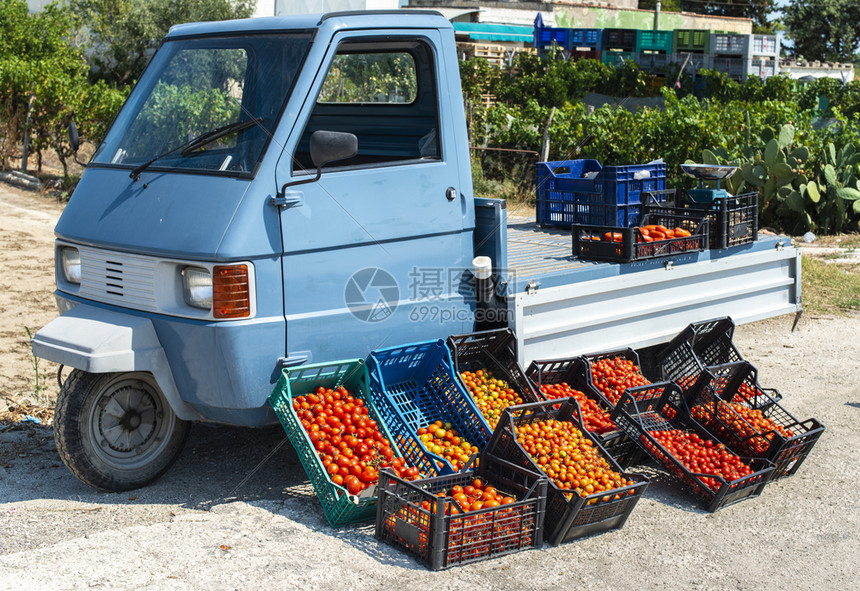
224,517
26,290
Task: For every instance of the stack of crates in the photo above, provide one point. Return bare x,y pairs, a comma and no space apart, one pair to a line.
654,49
741,56
584,192
696,41
619,46
544,37
691,46
584,44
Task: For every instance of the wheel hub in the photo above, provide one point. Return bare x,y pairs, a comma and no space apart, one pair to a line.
131,420
127,419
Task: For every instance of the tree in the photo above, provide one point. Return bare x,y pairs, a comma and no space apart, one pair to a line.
43,83
667,5
824,30
757,10
121,35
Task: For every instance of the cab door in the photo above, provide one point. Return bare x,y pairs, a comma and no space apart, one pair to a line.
376,252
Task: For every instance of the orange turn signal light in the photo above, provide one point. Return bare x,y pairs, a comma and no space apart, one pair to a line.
231,291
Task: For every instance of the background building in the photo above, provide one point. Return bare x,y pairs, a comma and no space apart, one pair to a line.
282,7
619,14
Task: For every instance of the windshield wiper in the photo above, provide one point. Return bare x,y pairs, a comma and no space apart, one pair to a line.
197,143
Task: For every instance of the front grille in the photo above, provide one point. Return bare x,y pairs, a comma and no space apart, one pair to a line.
118,278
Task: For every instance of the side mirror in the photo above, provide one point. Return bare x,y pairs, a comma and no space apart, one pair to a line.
325,147
74,138
331,146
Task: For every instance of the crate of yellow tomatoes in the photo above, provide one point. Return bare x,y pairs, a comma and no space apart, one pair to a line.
486,364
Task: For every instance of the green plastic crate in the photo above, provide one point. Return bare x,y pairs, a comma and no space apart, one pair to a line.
697,40
339,507
616,58
661,41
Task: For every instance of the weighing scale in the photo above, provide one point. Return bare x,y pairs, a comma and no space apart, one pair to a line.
708,172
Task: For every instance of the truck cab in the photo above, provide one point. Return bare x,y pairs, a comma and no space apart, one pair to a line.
291,190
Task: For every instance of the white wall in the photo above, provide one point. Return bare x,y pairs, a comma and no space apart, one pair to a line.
842,72
319,6
265,8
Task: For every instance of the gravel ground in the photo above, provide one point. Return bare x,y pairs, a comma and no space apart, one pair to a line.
226,517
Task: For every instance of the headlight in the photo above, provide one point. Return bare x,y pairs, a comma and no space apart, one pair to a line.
197,287
71,261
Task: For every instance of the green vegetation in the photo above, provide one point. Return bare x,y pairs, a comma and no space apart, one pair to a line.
824,29
803,161
120,35
43,83
829,288
39,387
797,143
368,78
76,61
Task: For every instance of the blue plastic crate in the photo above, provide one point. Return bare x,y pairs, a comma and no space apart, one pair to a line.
591,38
609,196
544,36
414,385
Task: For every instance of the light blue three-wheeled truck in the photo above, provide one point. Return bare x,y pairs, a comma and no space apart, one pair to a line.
281,191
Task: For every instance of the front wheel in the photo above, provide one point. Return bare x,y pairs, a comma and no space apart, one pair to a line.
115,431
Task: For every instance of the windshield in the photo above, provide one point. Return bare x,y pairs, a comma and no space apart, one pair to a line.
195,86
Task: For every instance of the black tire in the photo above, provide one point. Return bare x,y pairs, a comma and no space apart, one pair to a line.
116,431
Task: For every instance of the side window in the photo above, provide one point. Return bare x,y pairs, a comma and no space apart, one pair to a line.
384,93
358,78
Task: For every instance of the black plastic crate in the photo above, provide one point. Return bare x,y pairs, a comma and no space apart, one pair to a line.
411,515
623,39
493,350
625,354
710,403
589,241
661,407
732,221
574,372
568,515
696,347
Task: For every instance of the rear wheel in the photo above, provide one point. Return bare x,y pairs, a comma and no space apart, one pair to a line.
115,431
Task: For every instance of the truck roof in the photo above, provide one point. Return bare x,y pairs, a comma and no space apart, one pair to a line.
376,19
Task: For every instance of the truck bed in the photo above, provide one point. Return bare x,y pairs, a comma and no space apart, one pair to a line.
560,306
533,251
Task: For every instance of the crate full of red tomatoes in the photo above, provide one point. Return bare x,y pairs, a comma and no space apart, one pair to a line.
728,401
325,410
483,512
655,416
